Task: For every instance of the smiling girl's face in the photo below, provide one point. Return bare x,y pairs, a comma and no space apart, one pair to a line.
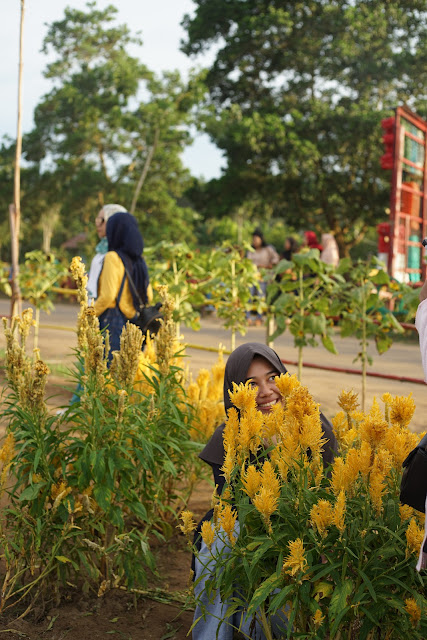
262,375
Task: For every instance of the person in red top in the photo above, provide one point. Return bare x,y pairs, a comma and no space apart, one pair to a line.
311,240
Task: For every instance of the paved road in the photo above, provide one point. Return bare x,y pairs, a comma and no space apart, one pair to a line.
403,359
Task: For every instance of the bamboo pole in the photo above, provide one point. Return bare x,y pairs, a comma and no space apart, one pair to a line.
15,209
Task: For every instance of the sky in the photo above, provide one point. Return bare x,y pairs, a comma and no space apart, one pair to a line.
159,24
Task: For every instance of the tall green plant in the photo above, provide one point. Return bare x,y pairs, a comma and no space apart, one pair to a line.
229,286
39,273
361,303
89,488
182,270
300,298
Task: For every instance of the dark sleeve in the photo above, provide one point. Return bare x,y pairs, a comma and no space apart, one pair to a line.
331,447
213,452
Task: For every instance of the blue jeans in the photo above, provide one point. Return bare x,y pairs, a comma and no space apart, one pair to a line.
214,624
114,321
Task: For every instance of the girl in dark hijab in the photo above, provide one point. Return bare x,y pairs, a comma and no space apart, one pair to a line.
117,300
261,364
236,370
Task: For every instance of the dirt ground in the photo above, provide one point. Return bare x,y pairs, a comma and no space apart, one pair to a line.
118,614
160,616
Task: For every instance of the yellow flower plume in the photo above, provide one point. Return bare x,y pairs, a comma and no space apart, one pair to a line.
322,516
413,611
296,560
208,533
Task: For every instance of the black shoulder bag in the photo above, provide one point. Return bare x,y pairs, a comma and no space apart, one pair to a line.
413,486
147,318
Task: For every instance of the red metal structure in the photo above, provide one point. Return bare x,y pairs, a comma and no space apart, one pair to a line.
405,140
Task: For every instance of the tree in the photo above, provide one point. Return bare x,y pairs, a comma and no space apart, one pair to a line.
95,134
297,92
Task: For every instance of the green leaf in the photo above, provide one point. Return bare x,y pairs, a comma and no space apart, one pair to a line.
328,344
63,559
264,590
31,492
338,605
102,495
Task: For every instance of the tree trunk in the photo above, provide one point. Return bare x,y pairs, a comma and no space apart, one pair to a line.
15,209
144,171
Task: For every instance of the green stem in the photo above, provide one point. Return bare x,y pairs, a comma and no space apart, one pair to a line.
264,622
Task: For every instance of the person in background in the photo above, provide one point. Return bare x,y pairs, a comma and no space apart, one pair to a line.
311,241
101,248
421,325
117,300
330,253
264,256
290,246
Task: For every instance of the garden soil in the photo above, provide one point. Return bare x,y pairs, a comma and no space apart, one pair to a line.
158,614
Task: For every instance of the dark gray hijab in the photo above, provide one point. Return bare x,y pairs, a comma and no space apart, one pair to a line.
236,371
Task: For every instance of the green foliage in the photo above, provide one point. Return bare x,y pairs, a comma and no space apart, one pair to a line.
362,306
183,271
300,297
101,140
89,488
37,276
296,94
231,279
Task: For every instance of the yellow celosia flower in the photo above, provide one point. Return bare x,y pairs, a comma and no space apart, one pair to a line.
414,538
311,433
231,430
399,442
322,515
273,422
229,464
7,450
365,458
383,462
227,518
376,490
286,383
270,479
296,560
387,399
165,343
300,403
352,466
340,478
318,618
340,425
348,401
406,512
208,533
266,504
188,525
202,383
251,429
243,396
251,481
374,427
339,512
350,437
413,611
401,410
